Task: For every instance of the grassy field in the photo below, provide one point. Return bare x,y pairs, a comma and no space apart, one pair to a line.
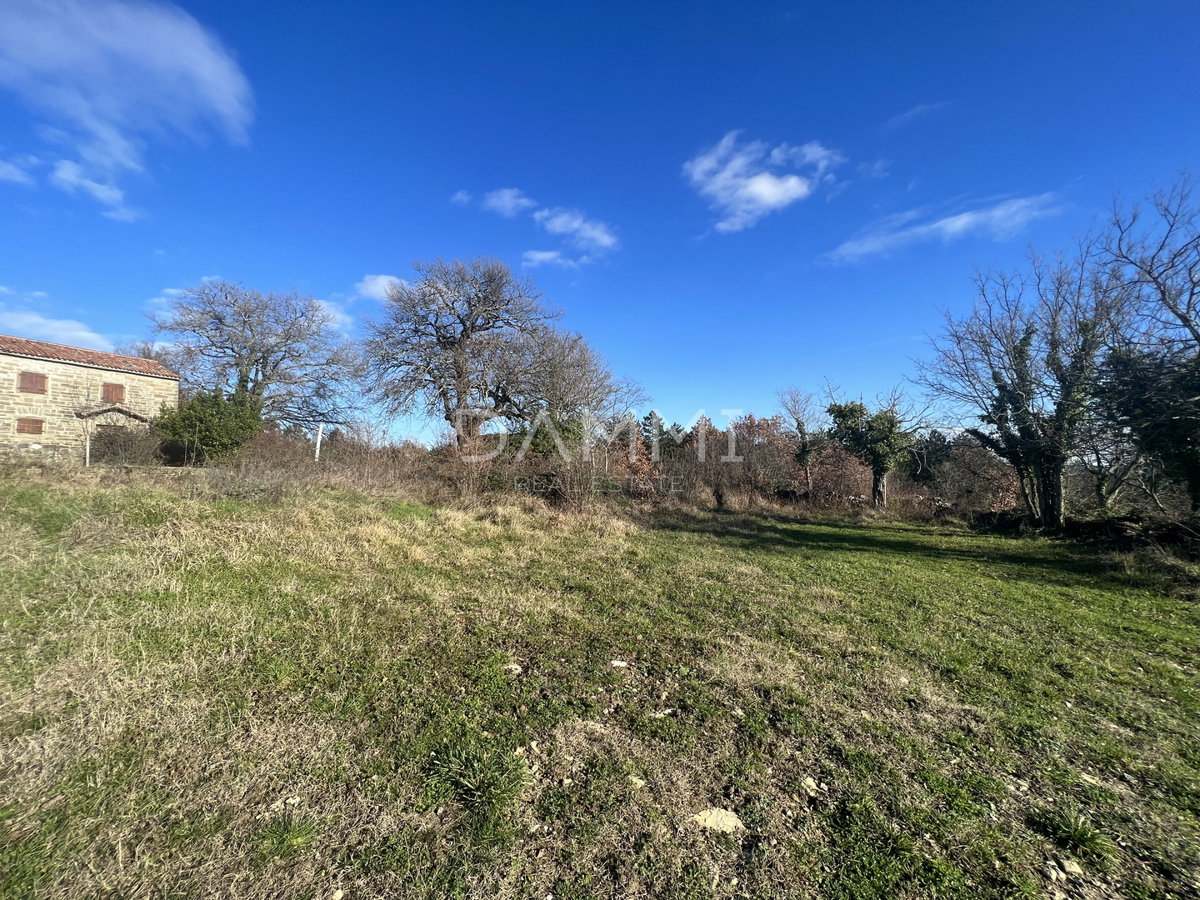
218,692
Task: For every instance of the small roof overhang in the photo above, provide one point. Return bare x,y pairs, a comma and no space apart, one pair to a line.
104,410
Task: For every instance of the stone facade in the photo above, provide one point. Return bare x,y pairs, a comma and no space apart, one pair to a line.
53,398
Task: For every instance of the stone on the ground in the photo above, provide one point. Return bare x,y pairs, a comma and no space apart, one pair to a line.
719,820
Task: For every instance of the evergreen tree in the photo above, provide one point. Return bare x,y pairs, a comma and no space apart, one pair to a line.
1158,400
878,439
928,452
210,426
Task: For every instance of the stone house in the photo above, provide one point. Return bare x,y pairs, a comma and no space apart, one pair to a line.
55,399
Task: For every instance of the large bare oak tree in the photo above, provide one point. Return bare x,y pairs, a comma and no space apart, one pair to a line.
468,342
285,348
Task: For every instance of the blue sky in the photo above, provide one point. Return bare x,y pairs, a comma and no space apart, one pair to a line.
725,199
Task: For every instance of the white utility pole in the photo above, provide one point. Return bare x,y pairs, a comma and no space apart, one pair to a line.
320,432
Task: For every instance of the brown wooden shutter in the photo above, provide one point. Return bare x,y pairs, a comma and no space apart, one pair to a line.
30,426
114,393
32,383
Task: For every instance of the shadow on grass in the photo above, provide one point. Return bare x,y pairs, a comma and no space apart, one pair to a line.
1062,564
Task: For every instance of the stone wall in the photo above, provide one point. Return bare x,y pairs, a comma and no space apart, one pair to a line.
71,388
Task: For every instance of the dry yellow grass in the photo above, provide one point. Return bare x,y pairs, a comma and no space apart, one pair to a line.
212,689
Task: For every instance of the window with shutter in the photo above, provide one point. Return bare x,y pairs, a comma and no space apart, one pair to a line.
30,426
114,393
32,383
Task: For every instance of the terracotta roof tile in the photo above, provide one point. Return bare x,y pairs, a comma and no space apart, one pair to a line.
62,353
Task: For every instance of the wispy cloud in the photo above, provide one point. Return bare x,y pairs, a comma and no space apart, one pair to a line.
109,73
590,235
909,115
69,176
342,320
508,202
24,323
164,298
374,287
534,258
877,169
744,181
1000,221
16,171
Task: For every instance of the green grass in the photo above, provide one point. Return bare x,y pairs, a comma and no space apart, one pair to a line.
286,837
1076,833
216,688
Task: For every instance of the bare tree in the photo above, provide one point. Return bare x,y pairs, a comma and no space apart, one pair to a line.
284,348
1151,379
1109,459
808,420
558,372
1024,361
145,350
440,346
1160,260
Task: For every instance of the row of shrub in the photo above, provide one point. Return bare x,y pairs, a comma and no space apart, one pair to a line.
942,476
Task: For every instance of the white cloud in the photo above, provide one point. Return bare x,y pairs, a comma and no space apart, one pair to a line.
877,169
508,202
69,177
15,172
534,258
921,109
811,153
165,297
374,287
462,198
999,222
587,234
5,290
342,320
111,72
591,236
22,323
739,182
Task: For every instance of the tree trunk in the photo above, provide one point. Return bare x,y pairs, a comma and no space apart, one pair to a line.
808,480
879,489
1027,483
1028,493
1193,488
1050,490
466,426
